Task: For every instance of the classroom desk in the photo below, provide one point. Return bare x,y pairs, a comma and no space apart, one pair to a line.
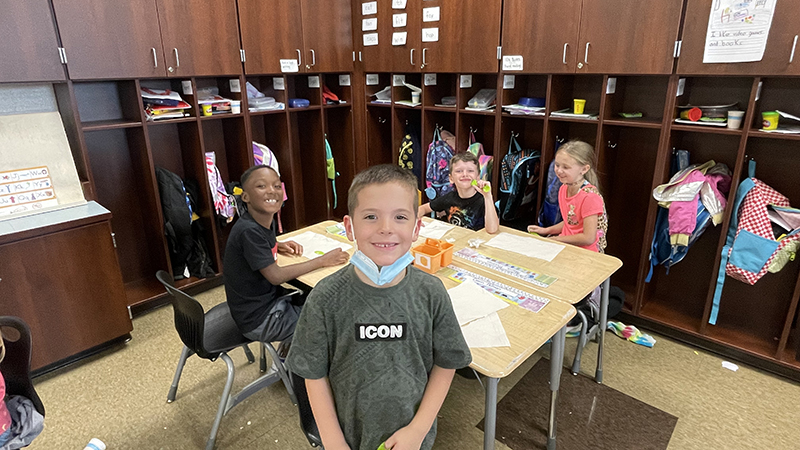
527,331
578,270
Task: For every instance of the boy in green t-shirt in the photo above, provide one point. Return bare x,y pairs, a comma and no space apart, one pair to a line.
378,341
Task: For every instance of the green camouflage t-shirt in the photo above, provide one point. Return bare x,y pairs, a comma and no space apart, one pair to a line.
377,347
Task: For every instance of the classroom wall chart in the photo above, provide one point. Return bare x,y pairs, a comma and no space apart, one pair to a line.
738,30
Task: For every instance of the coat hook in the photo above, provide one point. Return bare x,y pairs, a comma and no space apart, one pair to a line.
610,145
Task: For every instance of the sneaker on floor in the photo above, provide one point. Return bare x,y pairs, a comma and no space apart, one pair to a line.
574,331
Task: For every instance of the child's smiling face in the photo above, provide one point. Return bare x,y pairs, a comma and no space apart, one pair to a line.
568,169
462,173
384,222
263,191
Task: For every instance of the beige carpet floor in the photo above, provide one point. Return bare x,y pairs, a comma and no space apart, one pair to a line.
119,397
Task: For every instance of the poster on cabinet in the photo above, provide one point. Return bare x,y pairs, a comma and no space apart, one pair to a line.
738,30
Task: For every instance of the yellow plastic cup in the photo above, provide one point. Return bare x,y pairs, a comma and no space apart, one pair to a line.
579,104
770,120
206,110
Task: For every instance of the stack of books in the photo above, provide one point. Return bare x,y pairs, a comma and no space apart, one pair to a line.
210,96
162,104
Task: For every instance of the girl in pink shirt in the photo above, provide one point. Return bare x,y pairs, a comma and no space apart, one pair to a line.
579,200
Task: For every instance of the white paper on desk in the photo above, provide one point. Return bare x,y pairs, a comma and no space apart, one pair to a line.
435,229
528,246
485,332
472,302
315,245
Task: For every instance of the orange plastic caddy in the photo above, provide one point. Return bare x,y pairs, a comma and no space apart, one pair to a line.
432,255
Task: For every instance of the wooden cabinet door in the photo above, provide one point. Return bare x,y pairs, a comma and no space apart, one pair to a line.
544,32
628,36
110,39
444,55
271,30
327,35
781,43
28,44
386,57
480,35
67,287
200,37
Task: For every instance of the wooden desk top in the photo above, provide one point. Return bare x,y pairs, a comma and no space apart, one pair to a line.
578,270
526,331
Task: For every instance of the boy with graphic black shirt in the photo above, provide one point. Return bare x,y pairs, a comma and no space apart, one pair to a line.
469,206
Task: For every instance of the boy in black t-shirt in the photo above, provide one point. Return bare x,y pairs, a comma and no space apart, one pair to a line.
467,206
252,279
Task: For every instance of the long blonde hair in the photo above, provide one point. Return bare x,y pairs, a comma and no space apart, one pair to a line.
583,153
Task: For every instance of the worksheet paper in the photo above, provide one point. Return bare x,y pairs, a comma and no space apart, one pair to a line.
315,245
738,30
528,246
472,302
485,332
435,229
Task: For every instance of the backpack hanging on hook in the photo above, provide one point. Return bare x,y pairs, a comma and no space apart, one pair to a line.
331,169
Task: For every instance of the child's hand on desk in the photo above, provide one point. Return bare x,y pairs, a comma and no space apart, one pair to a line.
406,438
290,248
536,229
335,257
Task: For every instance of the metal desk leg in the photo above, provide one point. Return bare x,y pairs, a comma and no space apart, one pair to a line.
556,362
598,374
490,421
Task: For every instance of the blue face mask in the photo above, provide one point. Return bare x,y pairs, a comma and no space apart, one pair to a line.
384,275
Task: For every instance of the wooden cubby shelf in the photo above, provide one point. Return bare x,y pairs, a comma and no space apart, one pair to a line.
567,51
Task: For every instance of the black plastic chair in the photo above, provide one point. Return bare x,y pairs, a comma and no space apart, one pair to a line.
16,366
307,422
210,336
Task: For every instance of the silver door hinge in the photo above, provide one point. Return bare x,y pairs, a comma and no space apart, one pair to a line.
114,240
499,52
677,51
242,55
62,53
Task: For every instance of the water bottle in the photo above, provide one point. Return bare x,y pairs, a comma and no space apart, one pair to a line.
95,444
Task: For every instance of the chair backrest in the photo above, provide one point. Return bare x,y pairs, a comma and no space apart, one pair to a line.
307,421
189,317
16,366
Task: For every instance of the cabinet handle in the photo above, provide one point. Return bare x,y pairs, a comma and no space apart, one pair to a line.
299,58
564,55
424,59
155,59
177,58
313,58
412,56
586,54
794,47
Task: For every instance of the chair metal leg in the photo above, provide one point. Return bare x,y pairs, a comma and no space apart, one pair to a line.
185,354
223,402
250,358
281,371
598,375
582,340
263,359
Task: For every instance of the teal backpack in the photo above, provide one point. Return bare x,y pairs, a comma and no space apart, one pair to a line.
330,167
